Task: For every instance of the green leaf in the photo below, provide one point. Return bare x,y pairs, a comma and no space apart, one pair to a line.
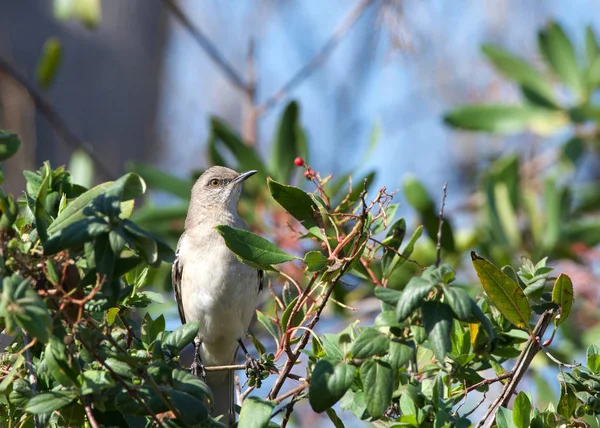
334,418
504,418
193,411
182,336
460,302
268,324
559,53
378,379
151,328
9,145
49,401
329,382
296,202
591,44
392,242
568,402
246,157
315,261
127,187
255,413
399,260
562,295
370,342
161,180
253,249
399,354
521,411
412,297
22,305
82,167
42,219
289,143
503,291
437,320
298,317
388,295
144,242
60,363
95,382
519,70
502,119
190,384
49,62
593,358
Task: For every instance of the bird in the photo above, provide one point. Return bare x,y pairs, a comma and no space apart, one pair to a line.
212,286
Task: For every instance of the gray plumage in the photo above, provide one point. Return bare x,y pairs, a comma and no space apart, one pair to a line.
210,284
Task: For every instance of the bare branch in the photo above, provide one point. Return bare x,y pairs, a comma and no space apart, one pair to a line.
438,258
206,44
54,119
90,416
531,348
306,70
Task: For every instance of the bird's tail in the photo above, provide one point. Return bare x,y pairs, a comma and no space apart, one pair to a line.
222,386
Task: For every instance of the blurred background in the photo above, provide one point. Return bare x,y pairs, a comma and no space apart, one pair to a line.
113,86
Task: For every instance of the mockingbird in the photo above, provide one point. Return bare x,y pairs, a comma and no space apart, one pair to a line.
212,286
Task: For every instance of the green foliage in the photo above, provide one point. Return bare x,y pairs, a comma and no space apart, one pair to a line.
70,273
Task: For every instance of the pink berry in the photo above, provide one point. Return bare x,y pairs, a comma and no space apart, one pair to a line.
298,161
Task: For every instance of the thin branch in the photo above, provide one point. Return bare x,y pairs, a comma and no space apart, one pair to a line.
225,368
329,46
249,122
531,348
90,415
291,392
54,119
438,258
32,377
206,44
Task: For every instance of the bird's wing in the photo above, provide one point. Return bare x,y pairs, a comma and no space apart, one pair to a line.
176,273
261,279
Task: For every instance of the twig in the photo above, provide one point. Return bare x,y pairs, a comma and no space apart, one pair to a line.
291,392
32,377
338,34
438,258
57,123
249,124
225,368
206,44
90,415
532,347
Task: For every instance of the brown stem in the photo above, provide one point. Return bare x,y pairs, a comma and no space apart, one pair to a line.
308,68
291,392
249,111
57,123
438,258
532,347
90,415
206,44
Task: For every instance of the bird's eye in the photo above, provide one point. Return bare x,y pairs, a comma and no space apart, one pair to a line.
214,182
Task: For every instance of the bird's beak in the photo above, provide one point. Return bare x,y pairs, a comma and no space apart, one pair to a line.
244,175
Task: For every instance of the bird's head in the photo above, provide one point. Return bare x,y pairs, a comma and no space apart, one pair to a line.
219,186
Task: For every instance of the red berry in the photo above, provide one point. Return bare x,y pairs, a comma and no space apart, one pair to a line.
298,161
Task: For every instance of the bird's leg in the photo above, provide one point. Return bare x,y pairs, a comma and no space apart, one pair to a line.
197,368
252,364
